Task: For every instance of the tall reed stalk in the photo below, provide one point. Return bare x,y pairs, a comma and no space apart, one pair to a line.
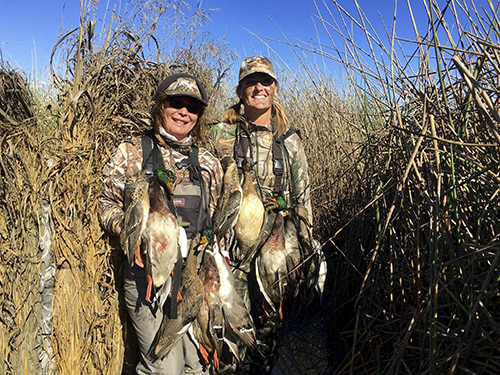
425,274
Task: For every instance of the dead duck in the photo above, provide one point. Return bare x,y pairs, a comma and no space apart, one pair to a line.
151,228
228,206
237,319
160,238
135,219
252,213
208,327
190,300
277,265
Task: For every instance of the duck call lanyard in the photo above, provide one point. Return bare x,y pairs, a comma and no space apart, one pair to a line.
152,160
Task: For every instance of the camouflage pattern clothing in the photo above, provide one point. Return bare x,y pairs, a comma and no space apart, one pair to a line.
147,316
296,175
127,161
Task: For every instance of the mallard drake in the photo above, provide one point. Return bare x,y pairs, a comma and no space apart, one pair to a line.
228,206
160,238
190,300
252,212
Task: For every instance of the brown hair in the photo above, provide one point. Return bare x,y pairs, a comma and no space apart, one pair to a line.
278,117
199,132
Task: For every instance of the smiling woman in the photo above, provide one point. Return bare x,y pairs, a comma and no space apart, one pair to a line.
273,230
148,221
257,91
180,116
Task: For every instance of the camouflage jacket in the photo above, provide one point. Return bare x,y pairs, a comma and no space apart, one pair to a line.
127,161
296,175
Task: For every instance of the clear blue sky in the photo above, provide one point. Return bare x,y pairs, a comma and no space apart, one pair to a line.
29,28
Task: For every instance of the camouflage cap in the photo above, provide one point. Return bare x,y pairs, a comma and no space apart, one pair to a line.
183,84
256,64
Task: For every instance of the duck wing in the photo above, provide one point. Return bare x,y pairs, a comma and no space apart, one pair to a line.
228,205
294,257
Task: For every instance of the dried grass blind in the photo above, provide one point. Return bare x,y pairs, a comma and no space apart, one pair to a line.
54,157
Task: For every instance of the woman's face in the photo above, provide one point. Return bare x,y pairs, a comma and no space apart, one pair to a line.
180,114
257,91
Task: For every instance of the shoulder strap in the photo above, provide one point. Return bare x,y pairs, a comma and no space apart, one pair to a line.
192,162
151,155
152,159
278,163
241,145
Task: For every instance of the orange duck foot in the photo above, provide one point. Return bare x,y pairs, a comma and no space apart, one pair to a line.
138,257
216,359
264,307
204,354
149,288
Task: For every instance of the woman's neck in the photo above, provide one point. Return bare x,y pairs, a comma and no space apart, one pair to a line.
259,118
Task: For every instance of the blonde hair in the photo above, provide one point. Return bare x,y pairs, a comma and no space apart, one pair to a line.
198,133
279,118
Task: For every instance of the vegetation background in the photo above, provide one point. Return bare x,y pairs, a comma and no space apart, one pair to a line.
404,159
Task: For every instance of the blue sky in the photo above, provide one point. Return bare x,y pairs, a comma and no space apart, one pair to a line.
30,28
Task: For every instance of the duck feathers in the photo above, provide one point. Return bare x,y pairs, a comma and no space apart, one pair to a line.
271,265
252,212
190,300
237,317
208,325
162,235
228,206
135,218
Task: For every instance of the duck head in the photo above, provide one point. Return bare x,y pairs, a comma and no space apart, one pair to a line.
166,178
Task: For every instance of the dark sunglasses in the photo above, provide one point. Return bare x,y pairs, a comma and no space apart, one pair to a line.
252,81
191,106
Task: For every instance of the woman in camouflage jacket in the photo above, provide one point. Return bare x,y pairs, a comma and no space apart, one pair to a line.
261,122
178,121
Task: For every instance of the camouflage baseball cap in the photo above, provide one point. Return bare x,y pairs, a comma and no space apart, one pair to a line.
256,64
183,84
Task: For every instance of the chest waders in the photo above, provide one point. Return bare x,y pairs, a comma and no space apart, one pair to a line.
190,205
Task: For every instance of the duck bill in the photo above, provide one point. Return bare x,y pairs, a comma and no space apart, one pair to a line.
170,187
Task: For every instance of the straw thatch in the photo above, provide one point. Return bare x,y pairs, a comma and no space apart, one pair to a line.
52,162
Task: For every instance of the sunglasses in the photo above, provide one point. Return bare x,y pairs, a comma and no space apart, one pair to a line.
252,81
191,106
